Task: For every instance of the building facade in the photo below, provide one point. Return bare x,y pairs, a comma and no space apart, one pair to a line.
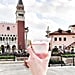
63,39
12,36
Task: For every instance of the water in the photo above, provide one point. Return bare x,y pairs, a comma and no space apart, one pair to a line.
19,69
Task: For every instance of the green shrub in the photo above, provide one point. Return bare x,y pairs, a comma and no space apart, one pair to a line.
68,55
56,62
6,57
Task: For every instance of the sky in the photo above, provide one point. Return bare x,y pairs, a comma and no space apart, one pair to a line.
39,14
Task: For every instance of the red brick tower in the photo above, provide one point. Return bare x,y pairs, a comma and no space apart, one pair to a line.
20,20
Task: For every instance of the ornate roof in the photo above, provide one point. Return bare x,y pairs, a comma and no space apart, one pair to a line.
62,32
72,25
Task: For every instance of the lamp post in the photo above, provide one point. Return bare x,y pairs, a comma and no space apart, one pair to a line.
47,31
47,35
26,31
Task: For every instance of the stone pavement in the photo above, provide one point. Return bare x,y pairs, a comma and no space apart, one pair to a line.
18,68
10,62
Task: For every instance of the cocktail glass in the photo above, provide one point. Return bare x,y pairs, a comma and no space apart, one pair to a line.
41,49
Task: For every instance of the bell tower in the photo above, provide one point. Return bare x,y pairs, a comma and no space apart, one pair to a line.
20,20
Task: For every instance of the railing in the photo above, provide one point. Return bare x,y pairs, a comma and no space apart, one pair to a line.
69,57
64,60
13,56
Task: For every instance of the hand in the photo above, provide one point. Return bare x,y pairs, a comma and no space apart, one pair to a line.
37,65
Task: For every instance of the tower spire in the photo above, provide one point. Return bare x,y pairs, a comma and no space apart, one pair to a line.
20,11
20,20
20,2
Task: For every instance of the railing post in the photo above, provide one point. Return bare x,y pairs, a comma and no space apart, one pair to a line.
61,59
49,63
14,56
73,60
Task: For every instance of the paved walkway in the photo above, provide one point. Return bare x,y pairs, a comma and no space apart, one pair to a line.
10,62
18,68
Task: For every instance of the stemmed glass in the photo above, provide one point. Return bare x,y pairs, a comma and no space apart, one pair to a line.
41,49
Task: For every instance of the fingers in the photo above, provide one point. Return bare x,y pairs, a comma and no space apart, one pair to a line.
31,51
26,63
33,55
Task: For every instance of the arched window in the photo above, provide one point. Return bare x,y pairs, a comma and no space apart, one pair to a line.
12,39
3,38
11,35
0,38
55,39
6,38
2,48
2,34
8,28
64,38
5,34
60,39
8,34
8,46
13,47
14,35
15,38
9,38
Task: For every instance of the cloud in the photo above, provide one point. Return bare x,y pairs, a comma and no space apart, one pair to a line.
7,11
40,14
28,3
61,10
9,2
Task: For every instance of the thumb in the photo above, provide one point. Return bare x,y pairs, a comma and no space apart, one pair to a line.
32,52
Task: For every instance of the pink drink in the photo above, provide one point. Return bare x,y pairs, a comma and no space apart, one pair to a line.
41,50
42,55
